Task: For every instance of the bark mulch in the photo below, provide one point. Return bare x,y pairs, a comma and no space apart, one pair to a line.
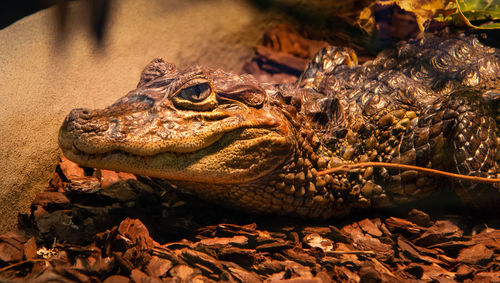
104,226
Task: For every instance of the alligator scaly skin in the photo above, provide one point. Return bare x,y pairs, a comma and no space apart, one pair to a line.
429,102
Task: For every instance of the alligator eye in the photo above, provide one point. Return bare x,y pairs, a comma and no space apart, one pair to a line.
195,93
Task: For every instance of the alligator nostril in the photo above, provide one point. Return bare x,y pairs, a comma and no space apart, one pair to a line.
79,113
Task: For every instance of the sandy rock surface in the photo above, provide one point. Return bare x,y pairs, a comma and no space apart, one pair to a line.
43,77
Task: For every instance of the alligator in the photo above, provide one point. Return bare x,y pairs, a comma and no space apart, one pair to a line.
258,147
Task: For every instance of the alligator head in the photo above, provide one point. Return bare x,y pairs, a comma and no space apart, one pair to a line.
196,125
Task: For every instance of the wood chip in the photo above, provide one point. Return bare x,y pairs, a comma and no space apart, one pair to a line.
475,255
441,231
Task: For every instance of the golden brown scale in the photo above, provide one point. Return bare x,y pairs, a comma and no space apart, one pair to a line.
259,147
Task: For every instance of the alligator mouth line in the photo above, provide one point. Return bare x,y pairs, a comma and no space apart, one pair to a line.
97,155
245,132
218,141
206,165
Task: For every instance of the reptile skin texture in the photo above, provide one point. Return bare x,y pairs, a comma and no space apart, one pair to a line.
430,102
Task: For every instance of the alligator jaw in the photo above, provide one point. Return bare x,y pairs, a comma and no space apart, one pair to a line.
238,156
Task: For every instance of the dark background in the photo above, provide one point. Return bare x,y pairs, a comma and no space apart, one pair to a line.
13,10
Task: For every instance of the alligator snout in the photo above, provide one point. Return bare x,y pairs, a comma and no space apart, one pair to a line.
79,113
83,120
